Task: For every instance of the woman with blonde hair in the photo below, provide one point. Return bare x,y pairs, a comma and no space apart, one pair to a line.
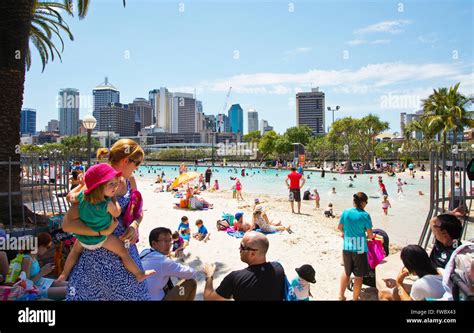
100,274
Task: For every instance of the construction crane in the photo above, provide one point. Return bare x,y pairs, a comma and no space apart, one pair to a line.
221,119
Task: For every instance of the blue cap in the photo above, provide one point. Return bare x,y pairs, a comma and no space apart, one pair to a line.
238,215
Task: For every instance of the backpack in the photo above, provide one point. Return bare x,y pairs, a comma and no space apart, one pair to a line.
14,270
222,225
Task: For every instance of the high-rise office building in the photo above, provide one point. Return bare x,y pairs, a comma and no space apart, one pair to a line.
53,126
28,121
68,109
252,120
236,119
310,110
222,123
118,118
265,127
104,94
183,113
143,110
160,100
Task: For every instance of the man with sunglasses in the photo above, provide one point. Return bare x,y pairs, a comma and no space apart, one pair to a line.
260,281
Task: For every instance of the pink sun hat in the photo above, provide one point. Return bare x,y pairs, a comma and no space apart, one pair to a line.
98,175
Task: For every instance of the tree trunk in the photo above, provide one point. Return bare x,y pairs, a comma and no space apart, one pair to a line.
15,23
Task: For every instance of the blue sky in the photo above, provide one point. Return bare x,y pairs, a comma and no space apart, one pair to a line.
376,57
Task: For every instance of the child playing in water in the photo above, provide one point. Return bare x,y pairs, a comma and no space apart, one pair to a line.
328,212
316,198
399,185
385,204
238,189
97,208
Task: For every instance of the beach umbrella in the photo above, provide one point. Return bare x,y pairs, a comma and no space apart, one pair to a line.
184,178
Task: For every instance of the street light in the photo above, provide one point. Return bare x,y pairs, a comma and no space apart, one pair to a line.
333,147
89,123
108,136
212,149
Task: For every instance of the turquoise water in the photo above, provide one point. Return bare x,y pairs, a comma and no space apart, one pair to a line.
403,223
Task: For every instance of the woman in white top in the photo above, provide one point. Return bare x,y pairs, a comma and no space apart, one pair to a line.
429,284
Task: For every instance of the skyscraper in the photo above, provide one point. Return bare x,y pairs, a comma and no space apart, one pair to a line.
310,110
236,119
252,120
118,118
28,121
143,110
160,100
68,107
265,127
53,125
104,94
183,113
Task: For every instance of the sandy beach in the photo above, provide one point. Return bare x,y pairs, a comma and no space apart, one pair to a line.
315,239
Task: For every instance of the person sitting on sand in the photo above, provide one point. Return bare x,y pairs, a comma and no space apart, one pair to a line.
265,225
160,285
202,234
184,224
178,245
429,284
240,225
260,281
216,185
328,212
300,285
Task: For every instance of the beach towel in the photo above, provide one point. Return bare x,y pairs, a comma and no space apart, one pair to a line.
239,234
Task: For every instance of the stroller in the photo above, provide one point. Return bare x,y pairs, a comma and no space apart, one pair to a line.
369,280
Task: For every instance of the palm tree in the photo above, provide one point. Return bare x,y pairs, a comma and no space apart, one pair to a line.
22,21
444,110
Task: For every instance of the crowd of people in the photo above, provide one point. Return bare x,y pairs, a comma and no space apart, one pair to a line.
105,264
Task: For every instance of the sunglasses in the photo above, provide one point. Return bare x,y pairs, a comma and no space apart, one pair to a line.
245,248
137,163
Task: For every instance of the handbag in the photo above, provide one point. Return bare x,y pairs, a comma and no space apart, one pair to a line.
375,253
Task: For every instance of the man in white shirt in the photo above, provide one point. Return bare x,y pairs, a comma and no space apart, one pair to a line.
159,285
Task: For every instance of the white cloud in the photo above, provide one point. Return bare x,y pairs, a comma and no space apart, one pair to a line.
294,52
362,80
392,27
428,39
381,41
355,42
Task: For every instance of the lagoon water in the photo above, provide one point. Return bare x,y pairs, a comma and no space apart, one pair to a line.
403,224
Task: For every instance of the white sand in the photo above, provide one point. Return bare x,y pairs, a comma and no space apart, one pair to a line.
315,240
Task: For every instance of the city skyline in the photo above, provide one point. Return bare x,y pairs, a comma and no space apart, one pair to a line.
381,62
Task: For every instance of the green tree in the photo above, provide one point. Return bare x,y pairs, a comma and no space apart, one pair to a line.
343,132
299,134
283,146
319,146
366,130
253,136
445,111
76,146
266,145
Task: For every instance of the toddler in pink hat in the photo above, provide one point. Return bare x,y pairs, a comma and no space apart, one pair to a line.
97,208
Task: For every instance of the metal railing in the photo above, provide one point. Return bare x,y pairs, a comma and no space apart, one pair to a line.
44,183
456,164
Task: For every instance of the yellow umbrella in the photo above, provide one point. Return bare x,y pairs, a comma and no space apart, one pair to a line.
184,178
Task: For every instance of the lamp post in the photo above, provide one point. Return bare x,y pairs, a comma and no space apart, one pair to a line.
212,149
89,123
333,146
108,136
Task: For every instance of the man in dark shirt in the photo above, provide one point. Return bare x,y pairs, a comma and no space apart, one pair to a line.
208,175
447,230
260,281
